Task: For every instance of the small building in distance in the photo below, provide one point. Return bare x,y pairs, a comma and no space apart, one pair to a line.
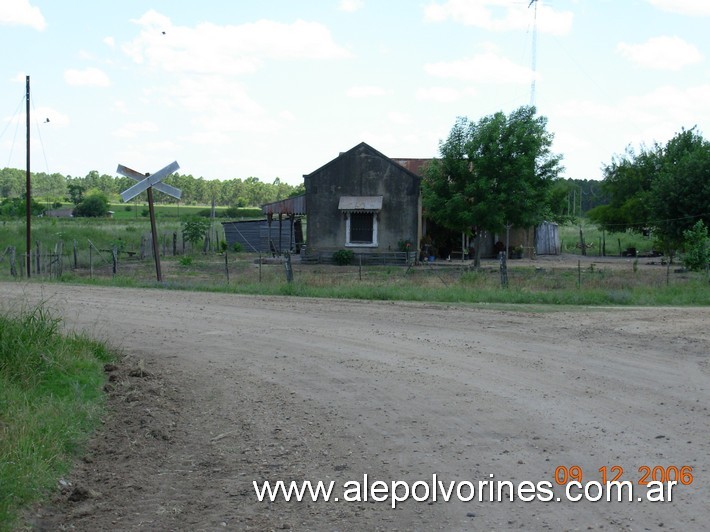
363,201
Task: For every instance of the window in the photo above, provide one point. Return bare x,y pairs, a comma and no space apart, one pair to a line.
361,216
361,229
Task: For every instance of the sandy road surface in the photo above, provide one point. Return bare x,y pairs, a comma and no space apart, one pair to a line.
238,389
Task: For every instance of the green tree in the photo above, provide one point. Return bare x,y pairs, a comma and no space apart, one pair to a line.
697,247
680,192
75,192
194,230
12,182
92,206
492,173
627,182
666,188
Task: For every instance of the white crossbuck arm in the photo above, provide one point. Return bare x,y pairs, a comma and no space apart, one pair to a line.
153,180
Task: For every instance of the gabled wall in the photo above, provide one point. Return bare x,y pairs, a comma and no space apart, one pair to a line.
361,171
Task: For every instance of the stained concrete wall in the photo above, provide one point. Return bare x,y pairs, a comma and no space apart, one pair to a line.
361,171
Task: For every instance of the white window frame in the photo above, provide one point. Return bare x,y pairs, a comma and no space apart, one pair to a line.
372,244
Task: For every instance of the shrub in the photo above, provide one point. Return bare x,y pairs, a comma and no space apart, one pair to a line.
94,206
343,257
194,230
237,247
697,247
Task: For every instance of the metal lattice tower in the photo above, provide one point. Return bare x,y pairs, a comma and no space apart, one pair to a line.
534,52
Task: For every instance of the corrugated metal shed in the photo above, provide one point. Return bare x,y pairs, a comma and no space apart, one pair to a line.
295,205
257,236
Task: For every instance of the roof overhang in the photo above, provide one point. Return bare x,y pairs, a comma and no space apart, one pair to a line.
360,203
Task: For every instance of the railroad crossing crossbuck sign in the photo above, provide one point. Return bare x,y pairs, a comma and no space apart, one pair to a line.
149,182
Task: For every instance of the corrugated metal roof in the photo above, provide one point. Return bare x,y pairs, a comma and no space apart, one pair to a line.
417,166
360,203
295,205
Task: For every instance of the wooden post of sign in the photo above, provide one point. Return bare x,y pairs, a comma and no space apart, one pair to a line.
147,184
154,234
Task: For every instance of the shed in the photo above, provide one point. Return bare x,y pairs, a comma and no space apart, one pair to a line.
547,239
262,236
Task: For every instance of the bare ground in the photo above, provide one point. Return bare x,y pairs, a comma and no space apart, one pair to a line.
216,390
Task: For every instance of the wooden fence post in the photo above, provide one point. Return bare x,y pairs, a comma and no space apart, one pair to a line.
38,259
581,241
76,262
174,244
13,268
114,257
226,264
502,256
142,251
287,266
91,262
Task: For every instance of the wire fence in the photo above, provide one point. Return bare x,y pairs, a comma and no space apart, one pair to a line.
186,265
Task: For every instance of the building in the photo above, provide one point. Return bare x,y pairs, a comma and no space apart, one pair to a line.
363,201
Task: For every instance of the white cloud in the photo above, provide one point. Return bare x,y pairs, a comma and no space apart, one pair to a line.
210,48
110,42
134,129
500,15
87,77
441,94
351,6
661,53
684,7
366,91
21,13
487,67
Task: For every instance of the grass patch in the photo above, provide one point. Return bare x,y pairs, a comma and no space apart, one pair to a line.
50,400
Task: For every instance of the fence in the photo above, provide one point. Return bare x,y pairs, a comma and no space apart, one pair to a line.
189,267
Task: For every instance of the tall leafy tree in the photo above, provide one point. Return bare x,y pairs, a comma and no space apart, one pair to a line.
492,173
680,193
665,188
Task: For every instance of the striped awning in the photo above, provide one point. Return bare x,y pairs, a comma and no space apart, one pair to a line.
360,203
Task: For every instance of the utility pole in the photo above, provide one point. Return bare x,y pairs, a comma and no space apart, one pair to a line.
28,184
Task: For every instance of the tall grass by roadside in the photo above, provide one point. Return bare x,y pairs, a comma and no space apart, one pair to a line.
470,288
50,400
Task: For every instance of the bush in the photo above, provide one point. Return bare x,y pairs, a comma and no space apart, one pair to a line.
343,257
94,206
697,247
237,247
194,230
15,208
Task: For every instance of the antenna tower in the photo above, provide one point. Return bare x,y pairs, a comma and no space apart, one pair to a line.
534,51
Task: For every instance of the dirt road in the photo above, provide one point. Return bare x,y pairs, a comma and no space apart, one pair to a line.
220,390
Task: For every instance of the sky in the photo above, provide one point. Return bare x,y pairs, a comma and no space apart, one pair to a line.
278,88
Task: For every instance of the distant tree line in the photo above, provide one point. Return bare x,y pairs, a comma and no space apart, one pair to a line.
51,188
